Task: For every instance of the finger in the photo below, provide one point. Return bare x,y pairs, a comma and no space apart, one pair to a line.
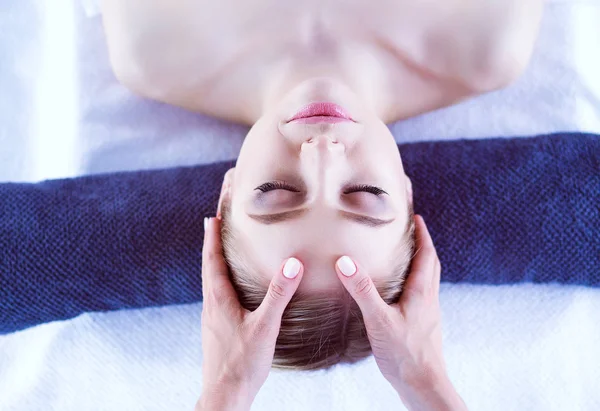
215,274
422,277
361,288
281,290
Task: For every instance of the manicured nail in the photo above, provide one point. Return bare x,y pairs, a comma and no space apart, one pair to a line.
205,223
291,268
346,266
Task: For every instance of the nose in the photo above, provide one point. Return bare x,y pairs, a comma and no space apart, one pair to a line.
322,157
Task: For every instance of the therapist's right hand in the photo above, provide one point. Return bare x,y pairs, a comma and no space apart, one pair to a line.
406,337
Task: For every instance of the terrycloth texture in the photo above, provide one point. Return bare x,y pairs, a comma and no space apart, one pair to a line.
508,348
499,211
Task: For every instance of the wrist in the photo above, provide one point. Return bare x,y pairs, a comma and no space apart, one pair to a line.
225,397
432,392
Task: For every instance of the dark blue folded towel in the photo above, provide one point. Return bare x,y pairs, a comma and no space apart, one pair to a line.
499,211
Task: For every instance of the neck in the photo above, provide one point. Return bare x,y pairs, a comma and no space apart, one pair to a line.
356,68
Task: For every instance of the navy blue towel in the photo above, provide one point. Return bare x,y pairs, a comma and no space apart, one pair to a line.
499,211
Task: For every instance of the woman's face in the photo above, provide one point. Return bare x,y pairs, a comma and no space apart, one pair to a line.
318,190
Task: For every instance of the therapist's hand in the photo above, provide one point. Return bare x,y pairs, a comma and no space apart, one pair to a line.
238,345
406,337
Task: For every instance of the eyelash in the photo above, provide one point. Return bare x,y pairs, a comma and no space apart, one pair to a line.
366,188
276,185
279,185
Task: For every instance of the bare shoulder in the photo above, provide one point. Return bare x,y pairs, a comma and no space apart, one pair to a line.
486,44
186,53
448,50
181,51
159,45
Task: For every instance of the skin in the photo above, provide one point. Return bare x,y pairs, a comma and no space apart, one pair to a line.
405,337
258,63
240,344
321,161
234,60
381,64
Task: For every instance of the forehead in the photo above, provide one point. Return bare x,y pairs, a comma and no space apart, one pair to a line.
318,245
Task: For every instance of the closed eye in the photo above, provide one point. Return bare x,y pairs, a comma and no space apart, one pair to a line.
364,188
276,185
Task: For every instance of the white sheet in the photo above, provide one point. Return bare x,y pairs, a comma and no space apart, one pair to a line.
519,347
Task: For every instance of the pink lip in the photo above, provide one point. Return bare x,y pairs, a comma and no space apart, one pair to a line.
321,113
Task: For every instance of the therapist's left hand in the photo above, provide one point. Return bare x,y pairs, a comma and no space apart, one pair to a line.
238,345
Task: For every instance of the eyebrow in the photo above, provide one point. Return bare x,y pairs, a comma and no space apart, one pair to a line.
294,214
365,219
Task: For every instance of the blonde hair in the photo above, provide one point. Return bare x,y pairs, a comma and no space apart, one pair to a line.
317,330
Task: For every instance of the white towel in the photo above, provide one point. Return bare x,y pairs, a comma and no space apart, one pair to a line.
519,347
507,348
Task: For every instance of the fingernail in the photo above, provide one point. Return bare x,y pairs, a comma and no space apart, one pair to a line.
346,266
205,223
291,268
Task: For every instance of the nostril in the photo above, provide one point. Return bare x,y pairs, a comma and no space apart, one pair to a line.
310,140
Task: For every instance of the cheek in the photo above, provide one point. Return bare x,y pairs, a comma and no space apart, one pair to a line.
251,157
264,145
250,147
381,146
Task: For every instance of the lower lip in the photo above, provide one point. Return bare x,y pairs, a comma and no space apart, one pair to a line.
321,113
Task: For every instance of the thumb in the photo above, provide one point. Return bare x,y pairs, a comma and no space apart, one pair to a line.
361,288
281,290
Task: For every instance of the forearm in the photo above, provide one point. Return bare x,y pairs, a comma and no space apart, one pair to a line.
438,395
